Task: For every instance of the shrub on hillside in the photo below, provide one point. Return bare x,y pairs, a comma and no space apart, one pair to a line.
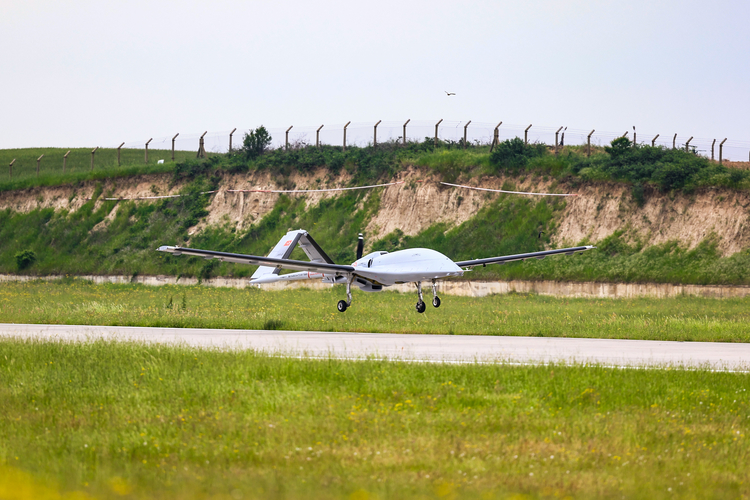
256,142
24,259
515,154
665,167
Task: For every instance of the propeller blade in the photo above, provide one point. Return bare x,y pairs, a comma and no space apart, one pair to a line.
360,246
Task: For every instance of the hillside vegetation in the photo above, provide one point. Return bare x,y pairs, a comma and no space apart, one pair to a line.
108,237
78,165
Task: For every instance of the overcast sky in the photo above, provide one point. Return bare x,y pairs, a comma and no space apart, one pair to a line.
96,73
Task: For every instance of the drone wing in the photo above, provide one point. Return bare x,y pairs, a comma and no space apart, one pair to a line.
522,256
256,260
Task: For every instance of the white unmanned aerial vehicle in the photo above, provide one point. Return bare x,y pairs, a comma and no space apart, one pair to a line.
370,273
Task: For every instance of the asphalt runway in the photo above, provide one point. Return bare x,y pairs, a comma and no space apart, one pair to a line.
419,348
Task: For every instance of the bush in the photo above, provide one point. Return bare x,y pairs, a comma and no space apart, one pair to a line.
618,147
255,143
641,165
25,259
515,154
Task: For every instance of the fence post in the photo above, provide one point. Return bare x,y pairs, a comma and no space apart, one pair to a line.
712,149
38,161
145,155
624,135
286,141
92,157
526,135
436,131
375,134
347,124
687,144
230,138
653,141
674,142
465,127
173,138
317,137
558,131
404,137
118,153
634,136
721,150
11,167
201,146
588,143
495,137
65,160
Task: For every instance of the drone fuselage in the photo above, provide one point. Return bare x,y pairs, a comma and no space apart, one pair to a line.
405,266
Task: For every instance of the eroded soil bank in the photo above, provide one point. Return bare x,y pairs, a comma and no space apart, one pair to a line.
419,201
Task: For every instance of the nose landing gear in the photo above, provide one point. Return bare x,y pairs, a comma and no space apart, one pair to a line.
435,298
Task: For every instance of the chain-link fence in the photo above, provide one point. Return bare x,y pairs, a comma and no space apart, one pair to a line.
363,134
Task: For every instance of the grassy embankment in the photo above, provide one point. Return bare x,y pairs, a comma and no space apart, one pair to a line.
76,302
109,419
65,243
78,165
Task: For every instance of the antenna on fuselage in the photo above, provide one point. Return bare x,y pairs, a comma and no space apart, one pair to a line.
360,246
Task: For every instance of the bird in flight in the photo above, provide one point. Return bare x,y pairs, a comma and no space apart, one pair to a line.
449,93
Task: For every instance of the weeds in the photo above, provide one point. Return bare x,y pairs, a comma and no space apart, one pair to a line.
110,419
685,318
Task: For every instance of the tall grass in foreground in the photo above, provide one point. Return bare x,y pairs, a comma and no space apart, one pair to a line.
79,302
144,421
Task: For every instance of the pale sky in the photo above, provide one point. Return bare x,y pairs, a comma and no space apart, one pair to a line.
97,73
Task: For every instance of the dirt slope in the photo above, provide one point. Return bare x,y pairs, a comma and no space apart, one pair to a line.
603,208
597,211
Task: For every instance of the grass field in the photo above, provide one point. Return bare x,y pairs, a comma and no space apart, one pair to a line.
78,165
114,420
79,302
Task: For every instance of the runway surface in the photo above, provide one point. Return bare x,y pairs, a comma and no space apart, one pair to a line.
423,348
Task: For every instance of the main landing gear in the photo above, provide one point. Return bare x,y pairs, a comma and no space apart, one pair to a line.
343,304
421,307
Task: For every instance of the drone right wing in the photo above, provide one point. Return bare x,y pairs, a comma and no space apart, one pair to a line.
522,256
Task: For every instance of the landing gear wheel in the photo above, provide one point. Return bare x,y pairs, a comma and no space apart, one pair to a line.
436,302
421,307
342,305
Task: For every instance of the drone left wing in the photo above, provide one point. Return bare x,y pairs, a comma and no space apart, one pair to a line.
256,260
522,256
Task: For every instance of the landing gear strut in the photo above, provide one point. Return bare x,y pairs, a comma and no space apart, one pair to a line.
420,304
343,304
435,298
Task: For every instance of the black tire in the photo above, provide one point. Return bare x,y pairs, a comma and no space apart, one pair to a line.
436,302
421,307
342,305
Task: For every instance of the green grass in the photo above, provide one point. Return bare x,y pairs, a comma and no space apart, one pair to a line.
78,166
146,421
78,302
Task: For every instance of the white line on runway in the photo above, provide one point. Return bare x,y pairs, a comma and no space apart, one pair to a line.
419,348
